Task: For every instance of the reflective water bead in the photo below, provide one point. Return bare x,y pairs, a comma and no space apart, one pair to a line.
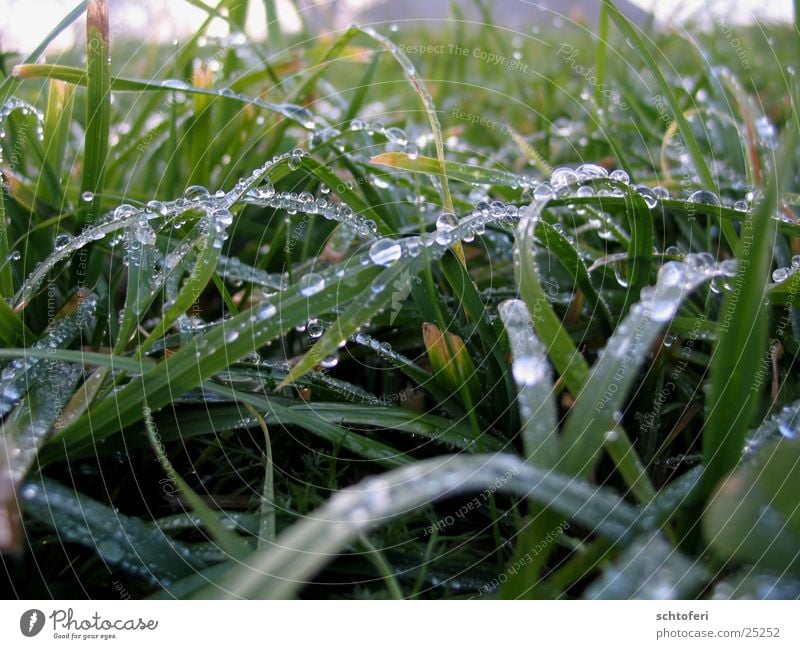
543,192
620,176
314,329
196,193
329,361
265,311
62,241
704,197
384,252
780,274
563,176
311,284
648,195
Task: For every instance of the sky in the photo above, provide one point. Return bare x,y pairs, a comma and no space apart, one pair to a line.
32,19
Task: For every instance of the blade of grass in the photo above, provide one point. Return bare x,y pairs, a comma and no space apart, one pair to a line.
303,549
98,101
695,152
567,359
738,353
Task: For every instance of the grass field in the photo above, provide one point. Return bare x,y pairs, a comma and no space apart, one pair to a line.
401,312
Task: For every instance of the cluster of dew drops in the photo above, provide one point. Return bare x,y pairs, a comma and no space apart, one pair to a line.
141,224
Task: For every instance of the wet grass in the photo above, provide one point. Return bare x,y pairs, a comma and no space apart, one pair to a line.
338,316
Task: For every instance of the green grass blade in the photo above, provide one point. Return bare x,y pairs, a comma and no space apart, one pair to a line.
456,170
225,539
301,551
695,152
567,359
738,353
534,384
98,100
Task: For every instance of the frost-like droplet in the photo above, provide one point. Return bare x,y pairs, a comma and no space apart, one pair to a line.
528,370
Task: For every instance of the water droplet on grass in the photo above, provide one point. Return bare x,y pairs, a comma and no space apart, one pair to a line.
620,176
385,252
311,284
704,197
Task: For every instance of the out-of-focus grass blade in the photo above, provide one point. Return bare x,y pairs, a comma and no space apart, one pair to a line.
274,32
37,392
57,122
427,102
753,516
362,88
650,568
695,152
297,555
456,170
359,445
119,540
8,84
534,384
12,329
98,100
296,114
738,354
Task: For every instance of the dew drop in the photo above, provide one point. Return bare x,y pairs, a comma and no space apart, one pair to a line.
620,176
265,311
385,252
311,284
780,274
704,197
